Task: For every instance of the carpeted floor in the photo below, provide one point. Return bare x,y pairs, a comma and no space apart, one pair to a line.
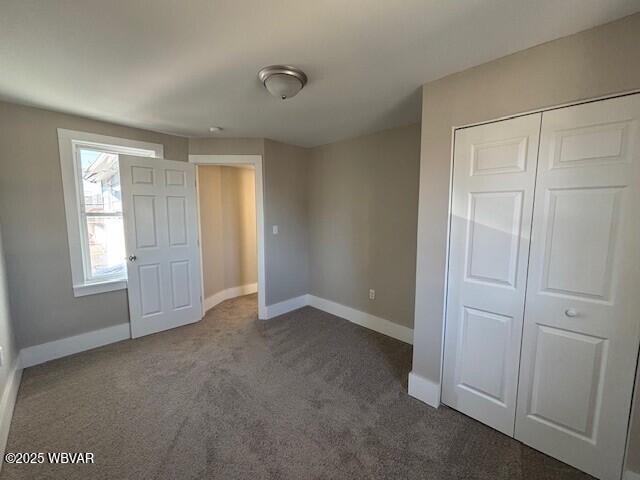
303,396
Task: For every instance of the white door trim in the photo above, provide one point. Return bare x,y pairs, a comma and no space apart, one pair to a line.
424,390
256,161
549,108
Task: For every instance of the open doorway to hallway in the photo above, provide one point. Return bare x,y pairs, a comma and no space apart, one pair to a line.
228,240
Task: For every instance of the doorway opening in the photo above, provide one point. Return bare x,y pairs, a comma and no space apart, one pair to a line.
231,233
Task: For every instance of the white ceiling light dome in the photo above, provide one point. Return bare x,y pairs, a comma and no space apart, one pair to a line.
282,81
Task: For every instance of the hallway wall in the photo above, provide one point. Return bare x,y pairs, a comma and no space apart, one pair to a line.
228,227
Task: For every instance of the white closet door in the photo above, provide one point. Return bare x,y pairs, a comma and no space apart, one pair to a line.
582,317
493,189
161,233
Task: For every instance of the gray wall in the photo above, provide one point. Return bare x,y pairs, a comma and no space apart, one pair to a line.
7,339
346,214
35,231
363,207
32,212
286,205
226,146
228,227
592,63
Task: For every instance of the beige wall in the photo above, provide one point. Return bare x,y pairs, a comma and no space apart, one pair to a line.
363,206
592,63
239,226
7,339
228,227
35,231
211,237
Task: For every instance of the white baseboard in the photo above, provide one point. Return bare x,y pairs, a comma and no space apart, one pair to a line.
629,475
287,306
233,292
7,402
364,319
424,390
45,352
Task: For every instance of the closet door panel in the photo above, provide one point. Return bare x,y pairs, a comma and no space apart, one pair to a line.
581,328
493,188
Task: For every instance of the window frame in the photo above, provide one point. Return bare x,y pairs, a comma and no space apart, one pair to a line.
69,143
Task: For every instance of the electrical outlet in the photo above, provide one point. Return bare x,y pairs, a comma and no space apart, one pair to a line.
372,294
275,229
1,356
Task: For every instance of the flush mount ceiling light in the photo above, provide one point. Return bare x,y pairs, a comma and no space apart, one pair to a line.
215,129
282,81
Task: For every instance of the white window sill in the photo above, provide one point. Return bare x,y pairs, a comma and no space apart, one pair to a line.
99,287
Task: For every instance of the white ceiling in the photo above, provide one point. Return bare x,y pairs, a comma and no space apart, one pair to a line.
183,66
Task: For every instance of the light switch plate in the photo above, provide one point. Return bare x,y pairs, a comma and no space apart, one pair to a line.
275,229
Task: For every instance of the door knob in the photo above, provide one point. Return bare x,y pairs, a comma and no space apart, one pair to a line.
132,258
571,312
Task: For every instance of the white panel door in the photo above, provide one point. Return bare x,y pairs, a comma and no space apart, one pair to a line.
161,232
493,187
582,322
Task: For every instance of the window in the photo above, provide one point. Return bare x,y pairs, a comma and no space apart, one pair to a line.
93,204
101,214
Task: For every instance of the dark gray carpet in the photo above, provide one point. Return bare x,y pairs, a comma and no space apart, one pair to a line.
303,396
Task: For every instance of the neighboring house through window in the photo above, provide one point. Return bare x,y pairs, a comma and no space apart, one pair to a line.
93,204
